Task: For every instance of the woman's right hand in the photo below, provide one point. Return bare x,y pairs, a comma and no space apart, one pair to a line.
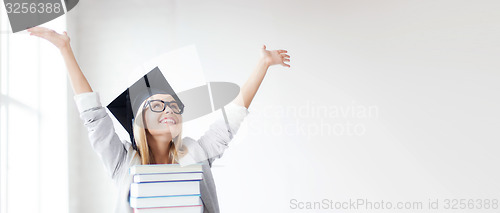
61,41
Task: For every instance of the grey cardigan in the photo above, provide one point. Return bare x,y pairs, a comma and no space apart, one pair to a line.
118,156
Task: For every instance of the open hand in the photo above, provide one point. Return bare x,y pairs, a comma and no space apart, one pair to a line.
59,40
273,57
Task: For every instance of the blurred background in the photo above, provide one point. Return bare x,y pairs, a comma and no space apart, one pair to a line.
393,101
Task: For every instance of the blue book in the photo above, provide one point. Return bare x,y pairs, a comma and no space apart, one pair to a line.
167,188
167,177
165,201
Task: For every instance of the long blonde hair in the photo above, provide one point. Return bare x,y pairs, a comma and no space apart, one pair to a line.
144,152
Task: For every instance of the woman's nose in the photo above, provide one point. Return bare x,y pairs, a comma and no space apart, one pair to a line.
168,110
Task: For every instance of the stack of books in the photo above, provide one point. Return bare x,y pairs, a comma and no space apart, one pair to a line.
166,188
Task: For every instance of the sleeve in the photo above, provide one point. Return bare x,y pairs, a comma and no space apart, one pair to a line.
103,139
215,141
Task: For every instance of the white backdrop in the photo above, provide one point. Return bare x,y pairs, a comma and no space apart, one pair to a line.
385,100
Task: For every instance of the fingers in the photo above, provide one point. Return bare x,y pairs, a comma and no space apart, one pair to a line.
282,54
38,29
36,32
41,31
285,60
41,34
285,56
284,64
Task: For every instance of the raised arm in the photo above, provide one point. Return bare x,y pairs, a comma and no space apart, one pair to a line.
267,59
102,136
215,141
62,42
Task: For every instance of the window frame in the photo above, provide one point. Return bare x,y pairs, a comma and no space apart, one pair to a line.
46,160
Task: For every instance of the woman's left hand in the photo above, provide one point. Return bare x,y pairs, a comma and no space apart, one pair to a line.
272,57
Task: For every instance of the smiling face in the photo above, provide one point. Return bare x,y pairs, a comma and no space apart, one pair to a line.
165,124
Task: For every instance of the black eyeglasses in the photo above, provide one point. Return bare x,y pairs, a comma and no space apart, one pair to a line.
160,105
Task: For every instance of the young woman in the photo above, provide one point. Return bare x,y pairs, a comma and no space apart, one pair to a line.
161,129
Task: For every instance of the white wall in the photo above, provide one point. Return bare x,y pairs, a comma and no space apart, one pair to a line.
427,70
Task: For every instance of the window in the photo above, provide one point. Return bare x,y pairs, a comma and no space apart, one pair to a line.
33,133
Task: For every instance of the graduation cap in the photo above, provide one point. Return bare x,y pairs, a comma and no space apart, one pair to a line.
126,105
193,103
